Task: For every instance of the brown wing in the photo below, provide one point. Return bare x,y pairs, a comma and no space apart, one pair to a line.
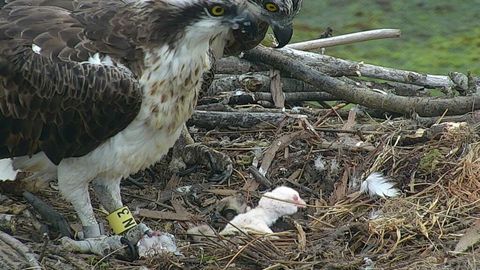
51,99
73,29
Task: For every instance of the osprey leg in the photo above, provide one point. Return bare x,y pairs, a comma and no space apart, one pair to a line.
76,192
108,193
121,221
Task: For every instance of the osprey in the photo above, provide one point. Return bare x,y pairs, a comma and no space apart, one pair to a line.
92,91
279,14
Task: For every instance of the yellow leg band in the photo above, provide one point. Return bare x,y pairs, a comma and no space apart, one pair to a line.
121,220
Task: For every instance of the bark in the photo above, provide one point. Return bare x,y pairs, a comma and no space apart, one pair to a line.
235,65
255,82
207,119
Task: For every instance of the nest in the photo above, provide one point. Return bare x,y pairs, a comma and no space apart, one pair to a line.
437,169
342,229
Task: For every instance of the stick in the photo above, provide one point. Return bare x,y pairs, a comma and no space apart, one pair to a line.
340,67
49,214
300,96
209,119
20,248
255,82
405,105
259,177
235,65
345,39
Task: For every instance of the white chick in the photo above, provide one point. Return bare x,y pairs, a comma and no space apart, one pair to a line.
269,209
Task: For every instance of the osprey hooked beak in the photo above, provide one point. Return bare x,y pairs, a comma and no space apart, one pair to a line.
246,24
282,32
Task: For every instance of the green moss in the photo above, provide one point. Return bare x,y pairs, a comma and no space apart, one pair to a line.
207,259
244,160
430,160
104,265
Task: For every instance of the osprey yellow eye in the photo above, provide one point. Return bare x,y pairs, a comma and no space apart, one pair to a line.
272,7
217,10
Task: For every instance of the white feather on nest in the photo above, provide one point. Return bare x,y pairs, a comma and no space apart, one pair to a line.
378,185
6,170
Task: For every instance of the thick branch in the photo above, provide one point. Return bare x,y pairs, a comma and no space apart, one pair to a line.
281,59
255,82
297,90
235,65
338,67
300,96
210,119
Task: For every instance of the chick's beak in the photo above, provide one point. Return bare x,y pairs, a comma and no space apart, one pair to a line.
283,33
301,203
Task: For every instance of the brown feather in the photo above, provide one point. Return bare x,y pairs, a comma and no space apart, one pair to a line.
49,101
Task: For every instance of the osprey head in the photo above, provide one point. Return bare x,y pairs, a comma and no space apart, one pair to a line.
201,19
279,14
227,13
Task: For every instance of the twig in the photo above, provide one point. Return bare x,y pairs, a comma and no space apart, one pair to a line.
44,247
345,39
106,256
240,251
159,203
277,145
303,187
259,177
